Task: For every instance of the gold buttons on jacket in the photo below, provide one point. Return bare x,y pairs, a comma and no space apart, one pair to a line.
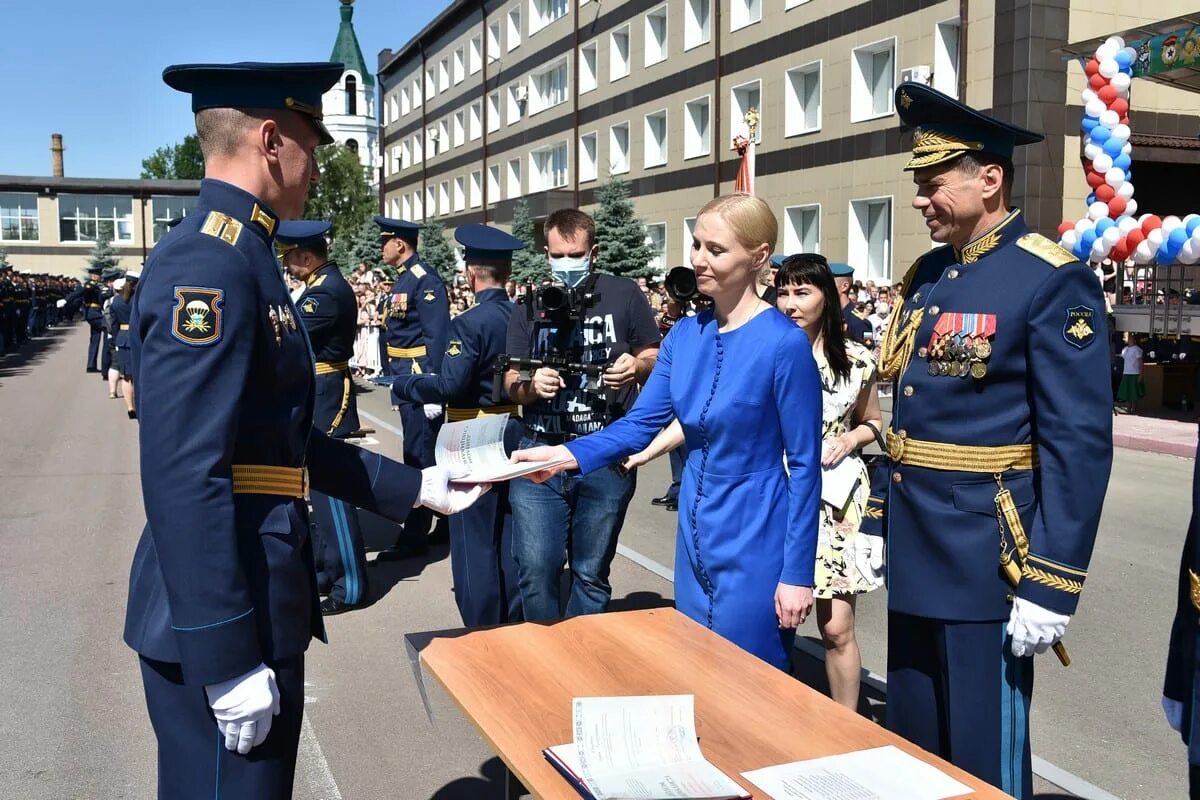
896,477
922,351
908,391
952,274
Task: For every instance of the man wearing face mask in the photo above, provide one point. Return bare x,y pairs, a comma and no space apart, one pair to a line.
570,518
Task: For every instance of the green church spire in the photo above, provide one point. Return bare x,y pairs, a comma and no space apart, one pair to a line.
346,49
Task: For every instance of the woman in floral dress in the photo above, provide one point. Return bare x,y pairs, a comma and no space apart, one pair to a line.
806,294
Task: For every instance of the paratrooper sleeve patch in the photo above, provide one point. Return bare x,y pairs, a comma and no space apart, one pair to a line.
197,317
430,296
454,348
310,305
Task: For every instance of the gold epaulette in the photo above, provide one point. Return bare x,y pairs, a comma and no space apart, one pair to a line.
1047,250
418,270
222,226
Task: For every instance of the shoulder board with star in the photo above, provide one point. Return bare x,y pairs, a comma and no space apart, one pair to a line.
1046,249
318,282
418,270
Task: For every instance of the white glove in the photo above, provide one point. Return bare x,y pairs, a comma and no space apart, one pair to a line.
868,557
432,411
440,495
1034,629
244,707
1174,711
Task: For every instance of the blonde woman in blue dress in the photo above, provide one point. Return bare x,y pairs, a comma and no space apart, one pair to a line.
741,380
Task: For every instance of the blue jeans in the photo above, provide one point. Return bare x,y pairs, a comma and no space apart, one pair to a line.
569,519
678,458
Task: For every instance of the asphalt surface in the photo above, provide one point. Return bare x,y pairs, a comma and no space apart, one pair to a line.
70,695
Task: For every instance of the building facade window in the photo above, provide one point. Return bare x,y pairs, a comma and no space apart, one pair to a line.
474,121
430,82
873,80
443,137
493,42
743,13
444,74
405,207
164,209
618,149
444,198
802,100
493,112
18,217
742,99
460,126
493,184
655,151
802,229
416,93
90,218
460,193
689,233
418,152
430,202
655,49
618,54
587,67
405,101
351,87
543,12
549,88
513,33
870,239
945,57
697,23
475,55
656,238
516,99
460,66
697,128
514,178
476,189
587,157
548,168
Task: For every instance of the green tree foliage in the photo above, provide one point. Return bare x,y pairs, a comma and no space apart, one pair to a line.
362,247
4,258
436,252
180,162
343,195
621,235
528,265
103,256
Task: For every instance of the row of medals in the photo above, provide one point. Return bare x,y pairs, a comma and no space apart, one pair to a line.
960,357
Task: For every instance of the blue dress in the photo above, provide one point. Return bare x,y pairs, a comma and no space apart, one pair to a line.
745,523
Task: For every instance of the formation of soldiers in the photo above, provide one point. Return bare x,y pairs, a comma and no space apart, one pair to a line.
31,303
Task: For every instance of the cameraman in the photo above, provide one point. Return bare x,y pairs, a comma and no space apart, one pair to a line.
571,518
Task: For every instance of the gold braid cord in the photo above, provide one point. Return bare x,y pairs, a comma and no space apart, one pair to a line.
1036,575
896,349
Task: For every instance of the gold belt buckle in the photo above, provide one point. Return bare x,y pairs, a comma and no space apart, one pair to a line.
895,446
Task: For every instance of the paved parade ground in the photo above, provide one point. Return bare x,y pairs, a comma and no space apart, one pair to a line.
70,696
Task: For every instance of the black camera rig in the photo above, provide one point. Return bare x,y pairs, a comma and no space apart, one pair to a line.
560,304
525,367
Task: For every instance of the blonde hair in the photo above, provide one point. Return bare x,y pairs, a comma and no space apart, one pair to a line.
751,219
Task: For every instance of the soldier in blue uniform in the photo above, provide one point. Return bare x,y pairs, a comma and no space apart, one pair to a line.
329,313
1000,448
89,299
120,309
416,320
1183,667
856,327
107,278
481,557
222,595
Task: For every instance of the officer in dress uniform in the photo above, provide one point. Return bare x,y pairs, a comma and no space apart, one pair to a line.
1183,667
89,298
416,320
857,328
121,309
107,278
329,313
1000,447
222,596
481,558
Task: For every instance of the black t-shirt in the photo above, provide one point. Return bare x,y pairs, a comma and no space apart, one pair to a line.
620,319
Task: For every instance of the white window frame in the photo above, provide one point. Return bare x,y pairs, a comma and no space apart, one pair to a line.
655,153
460,128
493,112
431,206
862,108
793,239
661,256
689,233
653,50
541,13
744,13
737,121
512,30
26,213
460,66
588,164
476,189
444,74
691,136
493,42
475,120
460,193
613,64
945,59
697,31
612,145
493,185
588,78
443,141
99,215
512,179
794,123
537,93
444,198
405,207
538,182
514,112
475,54
418,150
431,82
418,207
405,100
417,95
858,247
172,207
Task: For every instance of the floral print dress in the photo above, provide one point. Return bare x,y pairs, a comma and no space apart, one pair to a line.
836,571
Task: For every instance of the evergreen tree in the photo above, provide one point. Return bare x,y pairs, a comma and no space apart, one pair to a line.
103,256
436,252
360,248
622,236
4,258
343,195
528,265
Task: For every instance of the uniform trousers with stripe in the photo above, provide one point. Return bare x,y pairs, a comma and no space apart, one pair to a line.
193,763
956,689
339,552
420,436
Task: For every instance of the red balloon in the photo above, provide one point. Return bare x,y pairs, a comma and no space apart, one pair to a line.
1116,206
1097,81
1125,119
1105,193
1065,226
1095,180
1151,222
1120,105
1107,93
1120,251
1134,238
1092,67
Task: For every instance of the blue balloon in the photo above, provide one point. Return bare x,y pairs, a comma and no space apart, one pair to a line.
1177,237
1191,225
1122,58
1079,251
1124,162
1091,198
1103,224
1087,239
1128,69
1113,148
1100,134
1089,123
1167,252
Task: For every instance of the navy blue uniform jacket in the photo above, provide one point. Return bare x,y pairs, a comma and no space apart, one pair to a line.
223,580
329,312
417,313
1183,667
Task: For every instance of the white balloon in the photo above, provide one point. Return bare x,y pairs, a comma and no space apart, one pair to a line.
1088,95
1095,107
1069,238
1084,224
1189,253
1106,51
1127,149
1126,223
1120,82
1112,236
1102,163
1110,119
1097,210
1116,42
1190,217
1143,253
1109,67
1131,206
1155,238
1120,131
1131,53
1115,177
1171,222
1099,250
1090,151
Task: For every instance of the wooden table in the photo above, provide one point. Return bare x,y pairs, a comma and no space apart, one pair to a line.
516,683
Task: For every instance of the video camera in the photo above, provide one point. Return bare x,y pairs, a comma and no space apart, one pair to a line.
561,304
681,285
525,368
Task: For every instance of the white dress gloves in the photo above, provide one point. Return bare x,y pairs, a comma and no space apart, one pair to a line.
1034,629
440,495
432,411
1174,711
244,707
868,557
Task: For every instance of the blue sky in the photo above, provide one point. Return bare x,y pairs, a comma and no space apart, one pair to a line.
92,71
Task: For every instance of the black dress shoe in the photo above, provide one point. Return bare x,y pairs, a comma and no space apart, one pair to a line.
132,414
331,607
400,552
665,500
671,506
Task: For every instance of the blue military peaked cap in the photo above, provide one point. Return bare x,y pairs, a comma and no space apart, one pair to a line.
483,243
777,260
841,269
397,227
293,86
949,129
295,233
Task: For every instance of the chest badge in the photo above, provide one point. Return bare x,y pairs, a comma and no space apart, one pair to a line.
197,317
1080,328
276,326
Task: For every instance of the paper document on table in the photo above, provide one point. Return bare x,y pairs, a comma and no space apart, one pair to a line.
474,451
639,748
882,773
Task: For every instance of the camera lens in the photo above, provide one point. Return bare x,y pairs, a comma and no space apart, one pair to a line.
552,298
681,284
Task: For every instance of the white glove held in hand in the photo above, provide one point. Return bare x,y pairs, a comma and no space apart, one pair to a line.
868,557
244,707
1034,629
440,495
1174,711
432,411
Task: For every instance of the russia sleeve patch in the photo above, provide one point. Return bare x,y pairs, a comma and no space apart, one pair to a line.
1080,328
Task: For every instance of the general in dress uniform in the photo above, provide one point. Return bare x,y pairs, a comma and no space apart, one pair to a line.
416,320
329,313
1183,667
222,595
1000,448
481,556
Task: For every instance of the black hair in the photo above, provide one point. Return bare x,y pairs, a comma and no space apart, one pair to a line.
811,269
972,163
